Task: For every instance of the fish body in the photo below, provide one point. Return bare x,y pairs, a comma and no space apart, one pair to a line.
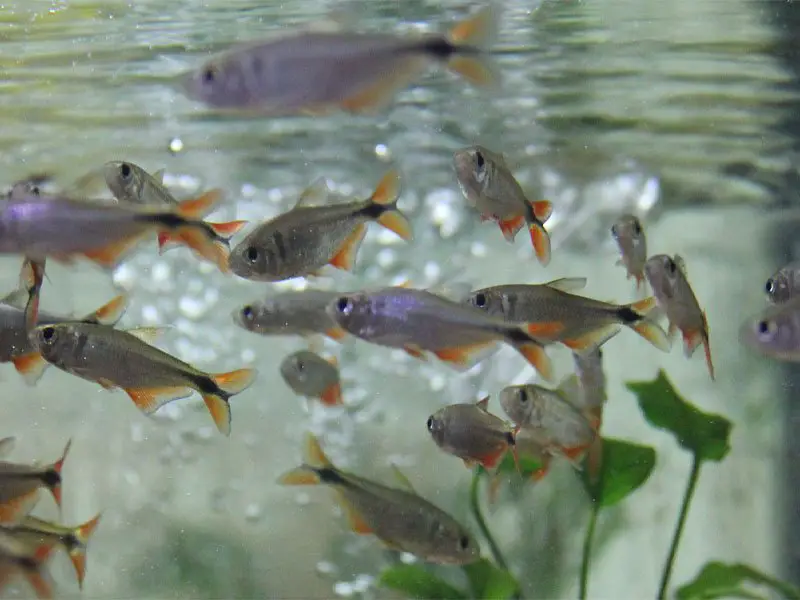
784,283
585,323
305,239
151,377
628,232
775,332
400,518
20,485
531,444
490,188
667,277
291,313
418,321
590,396
310,375
132,184
315,71
471,433
20,559
59,227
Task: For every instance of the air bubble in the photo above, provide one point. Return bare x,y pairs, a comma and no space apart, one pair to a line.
175,145
252,512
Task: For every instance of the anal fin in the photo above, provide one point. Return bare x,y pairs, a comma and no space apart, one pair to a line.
31,366
354,518
345,257
510,227
465,356
149,400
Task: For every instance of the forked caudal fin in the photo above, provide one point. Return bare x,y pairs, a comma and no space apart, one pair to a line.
51,475
314,458
77,553
230,384
385,195
647,328
206,240
469,37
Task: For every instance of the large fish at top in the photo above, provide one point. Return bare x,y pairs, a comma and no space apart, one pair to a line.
317,70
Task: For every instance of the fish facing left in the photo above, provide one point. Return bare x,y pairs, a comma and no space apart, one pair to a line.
472,433
315,71
308,237
312,376
63,228
419,321
400,518
775,332
784,283
126,359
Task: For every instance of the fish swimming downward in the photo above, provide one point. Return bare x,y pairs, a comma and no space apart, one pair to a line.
400,518
126,359
316,70
579,323
310,236
419,321
628,232
490,188
130,183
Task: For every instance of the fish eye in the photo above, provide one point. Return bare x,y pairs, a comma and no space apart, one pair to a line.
614,230
429,424
125,170
35,190
344,305
523,395
671,266
463,542
480,300
251,254
48,333
770,287
301,366
479,160
637,228
209,75
247,312
766,329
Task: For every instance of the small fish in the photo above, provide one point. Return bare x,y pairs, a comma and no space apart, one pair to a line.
784,284
584,323
126,360
131,183
667,277
588,392
291,313
30,186
490,188
400,518
472,433
775,332
308,237
34,532
18,558
418,321
629,235
39,227
565,429
316,70
531,444
310,375
20,484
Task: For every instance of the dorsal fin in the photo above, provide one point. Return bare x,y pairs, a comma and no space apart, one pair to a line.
316,194
18,299
401,478
148,335
159,176
567,284
483,404
7,445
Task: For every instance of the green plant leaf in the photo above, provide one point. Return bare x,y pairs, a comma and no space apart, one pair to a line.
721,580
527,466
626,466
705,435
490,581
416,582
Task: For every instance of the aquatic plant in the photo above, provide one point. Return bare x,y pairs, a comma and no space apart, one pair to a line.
626,466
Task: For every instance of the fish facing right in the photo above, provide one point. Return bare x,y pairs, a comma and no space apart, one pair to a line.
316,71
400,518
784,283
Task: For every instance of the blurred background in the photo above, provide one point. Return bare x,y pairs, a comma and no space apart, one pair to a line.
683,112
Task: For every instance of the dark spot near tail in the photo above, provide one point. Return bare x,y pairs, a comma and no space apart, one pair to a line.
519,337
440,48
71,542
373,211
51,478
26,563
206,385
171,220
280,244
628,315
125,170
328,475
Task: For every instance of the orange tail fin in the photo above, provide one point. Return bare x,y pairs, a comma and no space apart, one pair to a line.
77,554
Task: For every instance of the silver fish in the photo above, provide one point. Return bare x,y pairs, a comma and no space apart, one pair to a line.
418,321
316,70
305,239
784,284
667,277
291,313
398,517
775,332
131,183
578,322
490,188
310,375
629,235
20,484
124,359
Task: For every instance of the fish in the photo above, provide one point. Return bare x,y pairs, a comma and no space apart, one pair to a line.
530,444
400,518
585,323
18,558
20,485
308,237
490,188
419,321
628,232
588,389
775,331
63,228
472,433
564,428
126,359
35,532
30,186
310,375
317,70
291,313
784,283
130,183
667,277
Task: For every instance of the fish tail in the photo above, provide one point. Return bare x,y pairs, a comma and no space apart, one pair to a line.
634,315
199,207
332,396
203,242
36,574
32,278
533,351
541,242
110,313
385,195
308,473
77,554
229,384
51,475
468,37
542,209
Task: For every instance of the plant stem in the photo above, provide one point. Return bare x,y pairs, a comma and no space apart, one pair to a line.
587,549
474,503
676,537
